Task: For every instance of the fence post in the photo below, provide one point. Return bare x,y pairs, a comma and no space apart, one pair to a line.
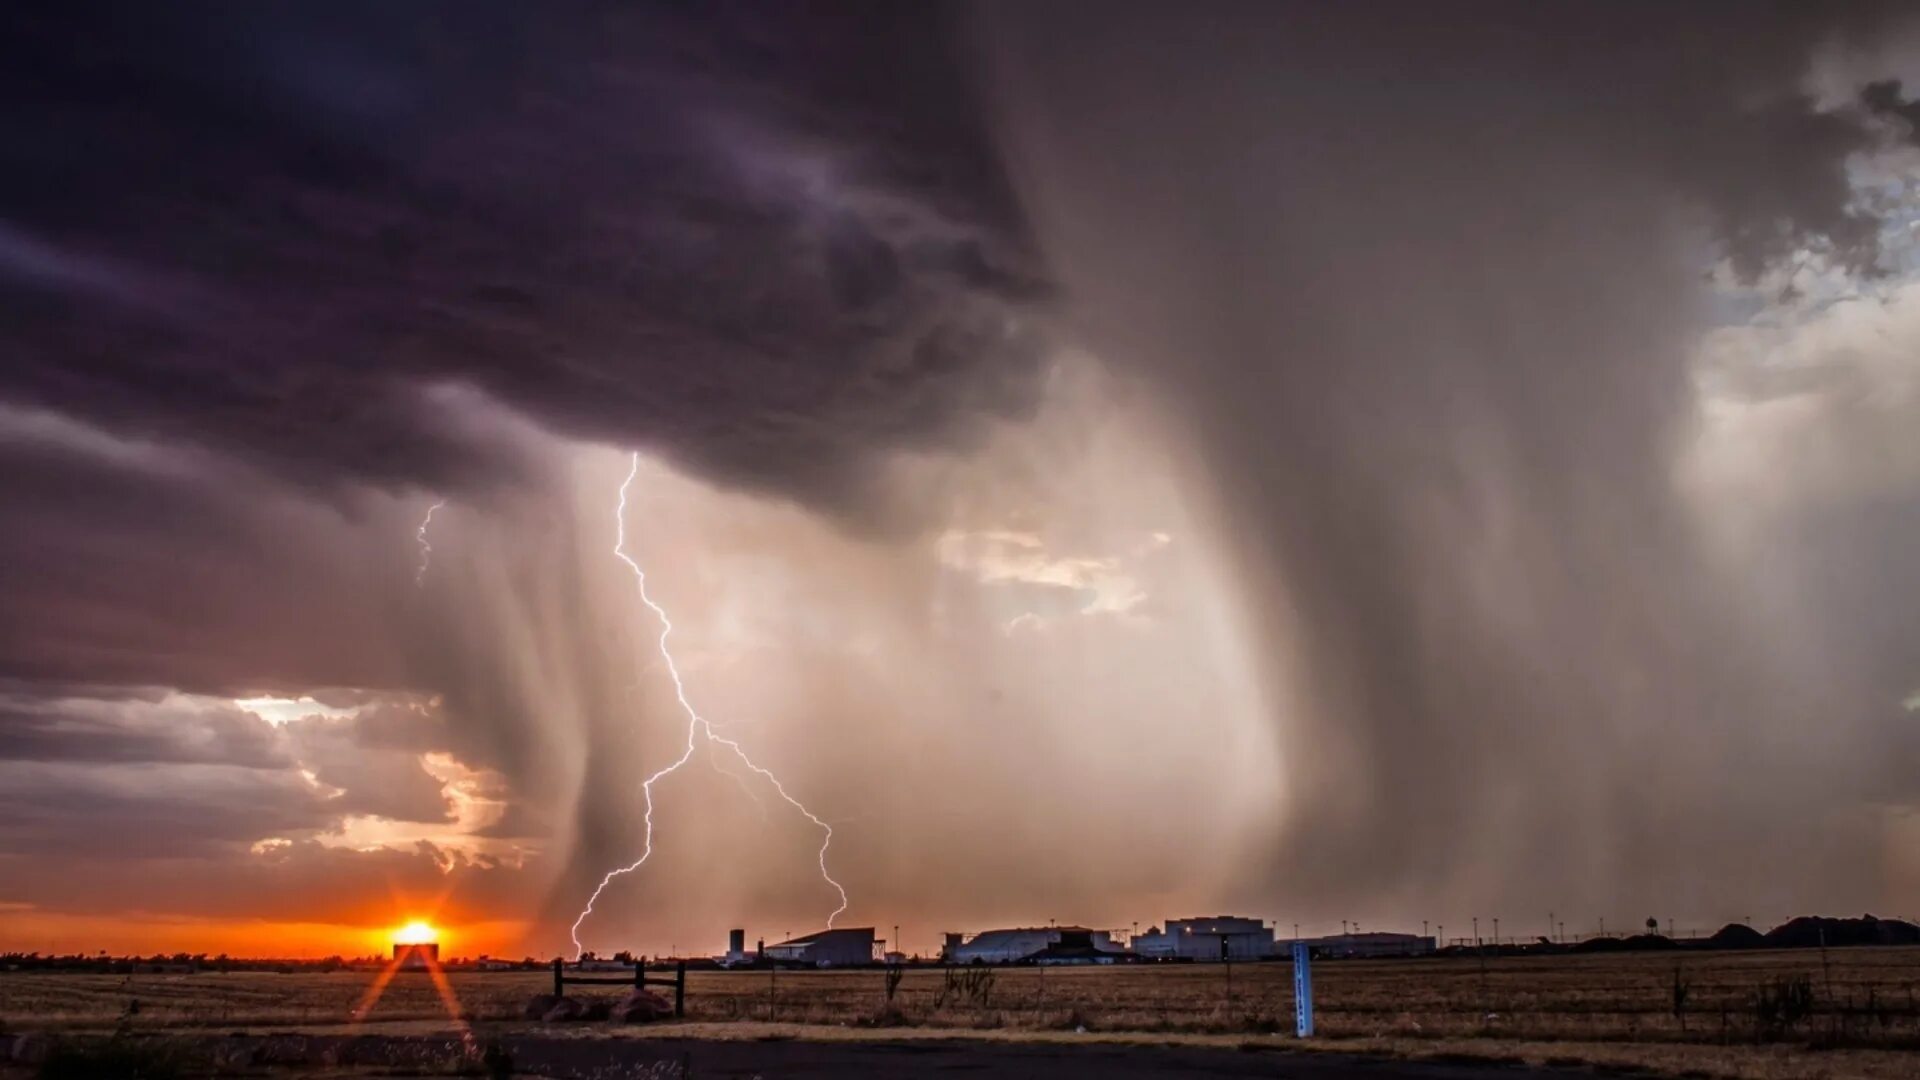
559,980
680,990
639,973
1302,990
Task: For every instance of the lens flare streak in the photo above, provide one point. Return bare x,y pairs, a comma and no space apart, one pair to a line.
697,726
441,988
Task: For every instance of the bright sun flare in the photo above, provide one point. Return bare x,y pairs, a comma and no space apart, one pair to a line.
415,933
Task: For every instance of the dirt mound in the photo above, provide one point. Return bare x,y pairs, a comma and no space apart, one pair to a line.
1812,931
1736,936
564,1010
1636,943
641,1006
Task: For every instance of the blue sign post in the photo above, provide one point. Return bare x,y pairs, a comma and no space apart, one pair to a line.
1302,991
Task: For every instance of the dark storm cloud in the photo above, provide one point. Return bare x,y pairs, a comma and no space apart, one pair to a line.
303,881
224,775
201,578
74,810
765,241
106,731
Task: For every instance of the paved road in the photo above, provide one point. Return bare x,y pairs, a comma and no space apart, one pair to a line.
671,1058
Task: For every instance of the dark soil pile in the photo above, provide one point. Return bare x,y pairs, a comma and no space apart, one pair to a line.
1810,931
1736,936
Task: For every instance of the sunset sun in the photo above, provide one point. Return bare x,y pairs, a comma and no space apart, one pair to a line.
416,933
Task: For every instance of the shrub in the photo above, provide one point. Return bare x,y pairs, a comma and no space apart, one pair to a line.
1780,1005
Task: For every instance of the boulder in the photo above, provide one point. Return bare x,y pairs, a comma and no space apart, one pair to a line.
642,1006
564,1010
538,1006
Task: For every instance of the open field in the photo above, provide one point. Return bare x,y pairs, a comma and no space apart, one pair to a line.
1859,1020
1864,995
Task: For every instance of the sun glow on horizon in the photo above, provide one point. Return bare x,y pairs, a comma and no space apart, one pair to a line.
416,933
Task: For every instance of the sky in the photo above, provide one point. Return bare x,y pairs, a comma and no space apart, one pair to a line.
1109,463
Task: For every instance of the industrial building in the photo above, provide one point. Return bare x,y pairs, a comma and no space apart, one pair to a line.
826,948
416,955
1041,944
1213,937
1371,944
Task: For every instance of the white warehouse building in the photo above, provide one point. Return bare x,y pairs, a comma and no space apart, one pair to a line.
1203,939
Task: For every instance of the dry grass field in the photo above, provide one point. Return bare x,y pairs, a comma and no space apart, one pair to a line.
1854,1013
1862,996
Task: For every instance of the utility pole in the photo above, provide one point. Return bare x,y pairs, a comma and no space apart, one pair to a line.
1476,931
1550,936
1496,931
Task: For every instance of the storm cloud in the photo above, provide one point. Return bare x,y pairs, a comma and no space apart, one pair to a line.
766,244
1351,462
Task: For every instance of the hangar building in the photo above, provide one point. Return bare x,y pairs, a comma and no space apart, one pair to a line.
826,948
1034,943
1202,939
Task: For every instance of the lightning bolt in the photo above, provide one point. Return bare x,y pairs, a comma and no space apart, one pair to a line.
426,549
697,727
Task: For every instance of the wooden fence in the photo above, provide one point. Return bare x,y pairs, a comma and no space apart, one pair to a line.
639,980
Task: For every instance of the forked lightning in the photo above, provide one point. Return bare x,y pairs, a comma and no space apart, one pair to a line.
426,549
697,726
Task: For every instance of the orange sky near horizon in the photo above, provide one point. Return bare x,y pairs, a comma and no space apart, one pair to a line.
30,930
